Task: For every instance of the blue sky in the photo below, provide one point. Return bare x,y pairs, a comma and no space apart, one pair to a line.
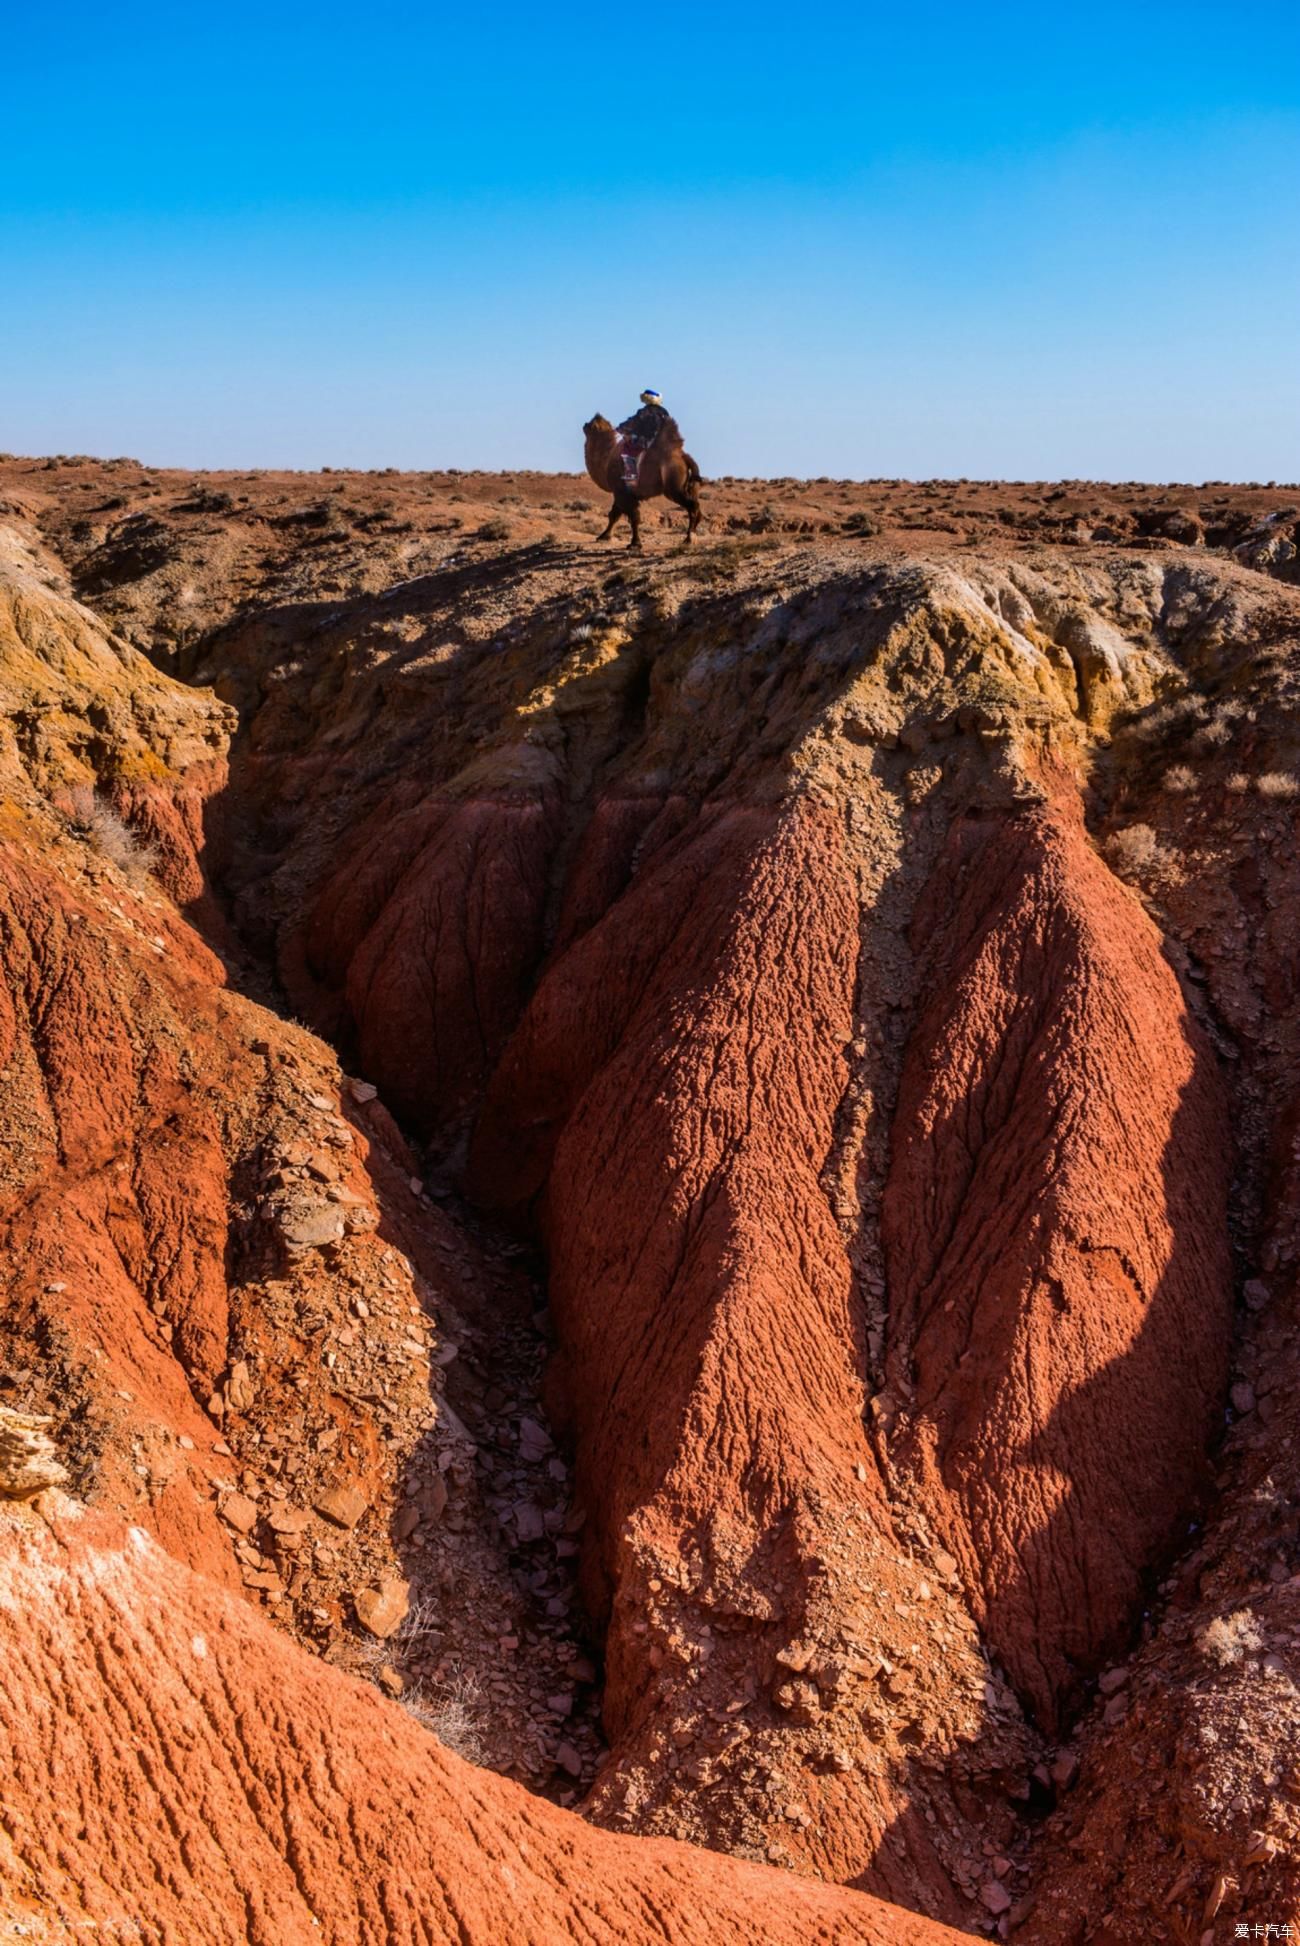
1000,241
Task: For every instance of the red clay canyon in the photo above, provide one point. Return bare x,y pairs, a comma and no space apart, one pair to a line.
650,1212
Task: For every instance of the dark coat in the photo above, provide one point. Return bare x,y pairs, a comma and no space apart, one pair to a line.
646,424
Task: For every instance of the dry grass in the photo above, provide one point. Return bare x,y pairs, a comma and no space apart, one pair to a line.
1278,783
1229,1638
1180,777
1218,731
1135,851
422,1621
718,560
452,1707
93,818
452,1711
1160,722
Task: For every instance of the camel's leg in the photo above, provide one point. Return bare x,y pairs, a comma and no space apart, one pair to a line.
615,513
684,498
634,517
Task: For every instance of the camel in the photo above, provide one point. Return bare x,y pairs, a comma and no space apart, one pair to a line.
664,466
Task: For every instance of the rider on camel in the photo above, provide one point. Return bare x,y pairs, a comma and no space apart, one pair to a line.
639,432
644,425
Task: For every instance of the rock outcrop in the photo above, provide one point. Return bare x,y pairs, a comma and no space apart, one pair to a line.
29,1460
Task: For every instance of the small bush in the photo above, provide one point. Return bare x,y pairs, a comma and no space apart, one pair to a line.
452,1713
1215,733
862,525
494,530
1180,777
1228,1638
93,818
1134,850
1278,783
1166,718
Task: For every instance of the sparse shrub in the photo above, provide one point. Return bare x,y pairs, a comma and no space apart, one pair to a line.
453,1712
1180,777
93,818
452,1709
494,530
1238,782
1215,733
1228,1638
723,558
1158,722
205,499
1278,783
1134,850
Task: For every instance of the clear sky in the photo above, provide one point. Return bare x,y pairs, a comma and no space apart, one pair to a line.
985,240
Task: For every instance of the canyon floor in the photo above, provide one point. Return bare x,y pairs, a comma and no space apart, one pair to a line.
650,1208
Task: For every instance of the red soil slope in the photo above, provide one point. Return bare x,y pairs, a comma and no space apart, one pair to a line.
115,1227
1055,1223
222,1278
203,1782
670,1095
434,931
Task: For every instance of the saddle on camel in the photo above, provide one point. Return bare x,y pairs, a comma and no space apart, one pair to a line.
640,459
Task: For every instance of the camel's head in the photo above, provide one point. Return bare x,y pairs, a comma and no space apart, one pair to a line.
597,423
